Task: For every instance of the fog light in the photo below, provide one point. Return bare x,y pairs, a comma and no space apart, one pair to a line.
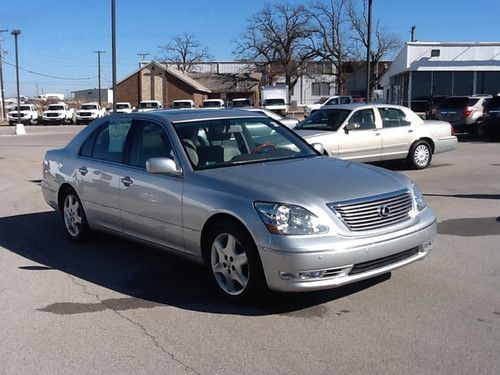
427,246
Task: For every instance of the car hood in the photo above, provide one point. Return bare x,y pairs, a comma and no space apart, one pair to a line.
305,181
310,133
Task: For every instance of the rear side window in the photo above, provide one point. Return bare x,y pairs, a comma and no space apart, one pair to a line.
110,141
472,102
493,103
345,100
392,117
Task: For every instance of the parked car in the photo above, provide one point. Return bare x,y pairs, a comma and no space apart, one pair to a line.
241,103
59,113
287,121
213,103
275,98
28,114
124,107
182,104
337,99
374,132
89,112
463,112
490,126
240,193
149,105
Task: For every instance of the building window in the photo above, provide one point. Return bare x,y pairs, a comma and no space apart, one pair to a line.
463,83
320,89
442,83
488,83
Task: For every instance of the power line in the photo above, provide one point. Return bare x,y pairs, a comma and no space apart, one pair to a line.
50,76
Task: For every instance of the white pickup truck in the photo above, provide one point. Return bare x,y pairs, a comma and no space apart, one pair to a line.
28,112
89,112
332,100
59,113
149,105
124,107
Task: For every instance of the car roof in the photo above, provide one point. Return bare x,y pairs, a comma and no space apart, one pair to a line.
180,115
353,106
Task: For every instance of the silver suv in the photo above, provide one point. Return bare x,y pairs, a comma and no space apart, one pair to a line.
462,112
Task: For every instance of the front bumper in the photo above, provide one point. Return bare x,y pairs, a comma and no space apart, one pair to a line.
339,255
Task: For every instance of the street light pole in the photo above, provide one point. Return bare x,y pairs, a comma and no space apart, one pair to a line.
2,91
99,52
113,50
19,125
368,51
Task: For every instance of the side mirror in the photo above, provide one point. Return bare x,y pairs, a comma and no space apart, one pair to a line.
319,147
351,126
162,166
306,116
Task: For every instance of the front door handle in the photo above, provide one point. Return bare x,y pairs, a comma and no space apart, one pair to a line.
127,181
83,171
410,131
377,133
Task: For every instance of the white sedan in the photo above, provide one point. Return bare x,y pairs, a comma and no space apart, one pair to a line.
374,132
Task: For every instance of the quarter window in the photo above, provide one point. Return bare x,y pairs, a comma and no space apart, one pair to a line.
110,141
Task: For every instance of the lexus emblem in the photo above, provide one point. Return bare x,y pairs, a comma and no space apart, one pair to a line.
384,211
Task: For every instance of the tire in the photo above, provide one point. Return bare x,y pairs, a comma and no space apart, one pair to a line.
420,155
73,217
233,262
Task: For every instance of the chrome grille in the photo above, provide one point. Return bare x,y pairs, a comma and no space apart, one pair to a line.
374,212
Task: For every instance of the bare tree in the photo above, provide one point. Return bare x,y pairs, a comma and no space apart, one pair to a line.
331,40
184,51
278,39
385,43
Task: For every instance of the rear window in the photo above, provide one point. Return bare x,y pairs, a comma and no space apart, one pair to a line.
472,102
456,102
493,103
274,102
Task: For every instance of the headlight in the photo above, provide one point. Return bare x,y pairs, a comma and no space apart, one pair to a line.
418,197
289,219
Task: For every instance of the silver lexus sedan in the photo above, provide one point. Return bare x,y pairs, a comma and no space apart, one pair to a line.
240,193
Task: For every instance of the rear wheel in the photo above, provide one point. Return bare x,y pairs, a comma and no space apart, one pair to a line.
233,262
74,219
420,155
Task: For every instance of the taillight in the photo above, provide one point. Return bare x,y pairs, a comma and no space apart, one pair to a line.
452,130
467,111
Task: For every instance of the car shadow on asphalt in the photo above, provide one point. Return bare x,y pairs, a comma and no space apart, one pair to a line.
147,276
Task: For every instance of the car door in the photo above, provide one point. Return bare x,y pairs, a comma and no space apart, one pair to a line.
397,133
364,142
151,204
98,173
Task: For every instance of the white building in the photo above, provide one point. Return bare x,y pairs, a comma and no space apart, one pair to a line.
92,95
426,69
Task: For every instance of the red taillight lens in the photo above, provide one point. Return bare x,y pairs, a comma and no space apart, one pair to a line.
452,130
467,111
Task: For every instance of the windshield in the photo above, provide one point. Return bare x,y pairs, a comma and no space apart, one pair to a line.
122,106
55,108
241,103
274,102
89,106
23,108
325,119
211,104
182,104
149,105
227,142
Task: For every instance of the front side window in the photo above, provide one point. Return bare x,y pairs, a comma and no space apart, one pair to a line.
325,119
392,117
110,141
364,119
150,141
226,142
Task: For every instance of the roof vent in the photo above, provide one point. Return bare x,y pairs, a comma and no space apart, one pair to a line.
435,52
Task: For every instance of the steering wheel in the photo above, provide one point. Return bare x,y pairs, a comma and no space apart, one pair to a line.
261,147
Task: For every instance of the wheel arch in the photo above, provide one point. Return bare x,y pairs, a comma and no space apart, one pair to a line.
428,140
63,189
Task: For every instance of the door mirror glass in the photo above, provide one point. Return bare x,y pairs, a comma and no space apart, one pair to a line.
352,126
162,166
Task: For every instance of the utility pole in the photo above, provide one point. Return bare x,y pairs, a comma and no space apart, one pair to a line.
113,48
19,126
99,52
413,33
368,51
143,57
2,92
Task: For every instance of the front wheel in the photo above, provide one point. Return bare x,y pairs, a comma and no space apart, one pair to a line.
234,262
420,155
74,219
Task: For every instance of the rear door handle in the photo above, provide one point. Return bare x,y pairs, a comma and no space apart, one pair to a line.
377,133
83,171
410,131
127,181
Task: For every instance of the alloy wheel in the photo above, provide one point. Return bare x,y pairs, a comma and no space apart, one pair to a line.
72,215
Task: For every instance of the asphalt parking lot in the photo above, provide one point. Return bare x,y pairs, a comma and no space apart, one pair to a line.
112,306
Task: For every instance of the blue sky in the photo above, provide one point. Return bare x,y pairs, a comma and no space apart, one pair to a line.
58,36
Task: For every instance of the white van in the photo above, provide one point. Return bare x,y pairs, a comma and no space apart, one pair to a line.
182,104
213,103
149,105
